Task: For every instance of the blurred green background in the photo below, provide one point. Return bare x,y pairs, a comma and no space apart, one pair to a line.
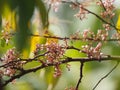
30,16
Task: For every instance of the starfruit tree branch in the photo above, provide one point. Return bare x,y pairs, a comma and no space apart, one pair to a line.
64,61
81,75
105,76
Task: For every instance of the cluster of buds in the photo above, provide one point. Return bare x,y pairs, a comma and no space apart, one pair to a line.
6,33
53,55
93,52
102,35
39,48
10,62
6,36
87,34
76,35
81,13
54,3
10,55
107,27
57,71
117,37
108,7
55,52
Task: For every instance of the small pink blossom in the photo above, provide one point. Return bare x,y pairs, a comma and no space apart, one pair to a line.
85,33
81,13
54,3
93,52
108,8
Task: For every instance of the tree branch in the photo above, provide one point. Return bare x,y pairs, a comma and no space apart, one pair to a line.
106,75
81,75
67,60
68,38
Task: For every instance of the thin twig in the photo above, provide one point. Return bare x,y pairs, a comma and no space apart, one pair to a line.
81,75
100,18
68,38
103,5
106,75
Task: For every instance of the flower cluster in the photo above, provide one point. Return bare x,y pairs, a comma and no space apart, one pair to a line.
55,52
57,70
53,55
76,35
10,62
87,34
39,48
101,35
10,55
81,13
7,30
93,52
6,36
108,7
54,3
117,37
107,27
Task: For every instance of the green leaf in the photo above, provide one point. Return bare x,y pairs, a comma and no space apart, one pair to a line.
25,13
21,85
31,65
73,53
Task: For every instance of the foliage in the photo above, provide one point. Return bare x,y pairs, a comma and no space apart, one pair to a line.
42,36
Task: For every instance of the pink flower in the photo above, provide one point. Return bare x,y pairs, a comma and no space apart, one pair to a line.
54,3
